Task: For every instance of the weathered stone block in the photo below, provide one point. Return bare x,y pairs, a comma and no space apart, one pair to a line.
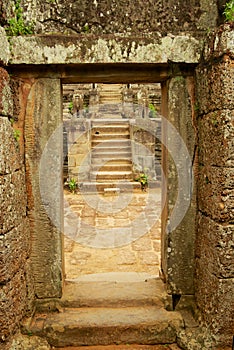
13,200
221,43
44,158
180,255
142,244
181,114
216,192
62,49
5,47
14,250
149,258
79,148
10,159
71,161
178,230
215,86
214,246
216,138
6,99
107,17
13,302
23,342
214,298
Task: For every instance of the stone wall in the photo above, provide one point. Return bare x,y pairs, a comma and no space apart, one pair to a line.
143,137
107,17
79,148
215,217
16,288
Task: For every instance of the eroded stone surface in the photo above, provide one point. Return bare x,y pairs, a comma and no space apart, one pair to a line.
82,224
127,347
90,49
14,232
105,326
217,125
178,252
215,87
105,17
23,342
5,47
6,99
214,247
221,43
43,179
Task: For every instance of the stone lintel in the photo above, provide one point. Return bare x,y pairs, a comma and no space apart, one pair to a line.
88,48
119,73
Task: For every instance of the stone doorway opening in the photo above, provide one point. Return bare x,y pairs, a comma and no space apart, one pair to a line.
112,219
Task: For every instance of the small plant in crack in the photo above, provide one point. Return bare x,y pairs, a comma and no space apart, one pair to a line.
17,25
70,107
229,11
16,134
72,185
143,178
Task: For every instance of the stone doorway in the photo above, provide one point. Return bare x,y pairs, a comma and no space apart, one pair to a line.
43,117
92,112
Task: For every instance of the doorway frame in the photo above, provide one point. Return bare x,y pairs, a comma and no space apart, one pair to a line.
96,73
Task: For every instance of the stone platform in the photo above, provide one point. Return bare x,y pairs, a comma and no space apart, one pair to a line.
114,233
126,347
119,309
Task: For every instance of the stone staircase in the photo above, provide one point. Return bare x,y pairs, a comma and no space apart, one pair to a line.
107,312
111,159
110,103
110,93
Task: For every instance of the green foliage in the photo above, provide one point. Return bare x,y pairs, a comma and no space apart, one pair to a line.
152,113
16,25
70,107
16,134
86,28
229,11
179,79
196,107
72,184
143,179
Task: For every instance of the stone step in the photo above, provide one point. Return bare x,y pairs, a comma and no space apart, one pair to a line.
102,148
113,167
125,347
104,156
114,293
109,121
119,128
102,161
114,116
110,136
106,326
111,175
114,99
112,143
125,186
104,123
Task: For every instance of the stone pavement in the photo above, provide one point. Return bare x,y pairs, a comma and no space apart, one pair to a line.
126,347
112,233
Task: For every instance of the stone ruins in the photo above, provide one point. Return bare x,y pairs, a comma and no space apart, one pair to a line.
102,96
